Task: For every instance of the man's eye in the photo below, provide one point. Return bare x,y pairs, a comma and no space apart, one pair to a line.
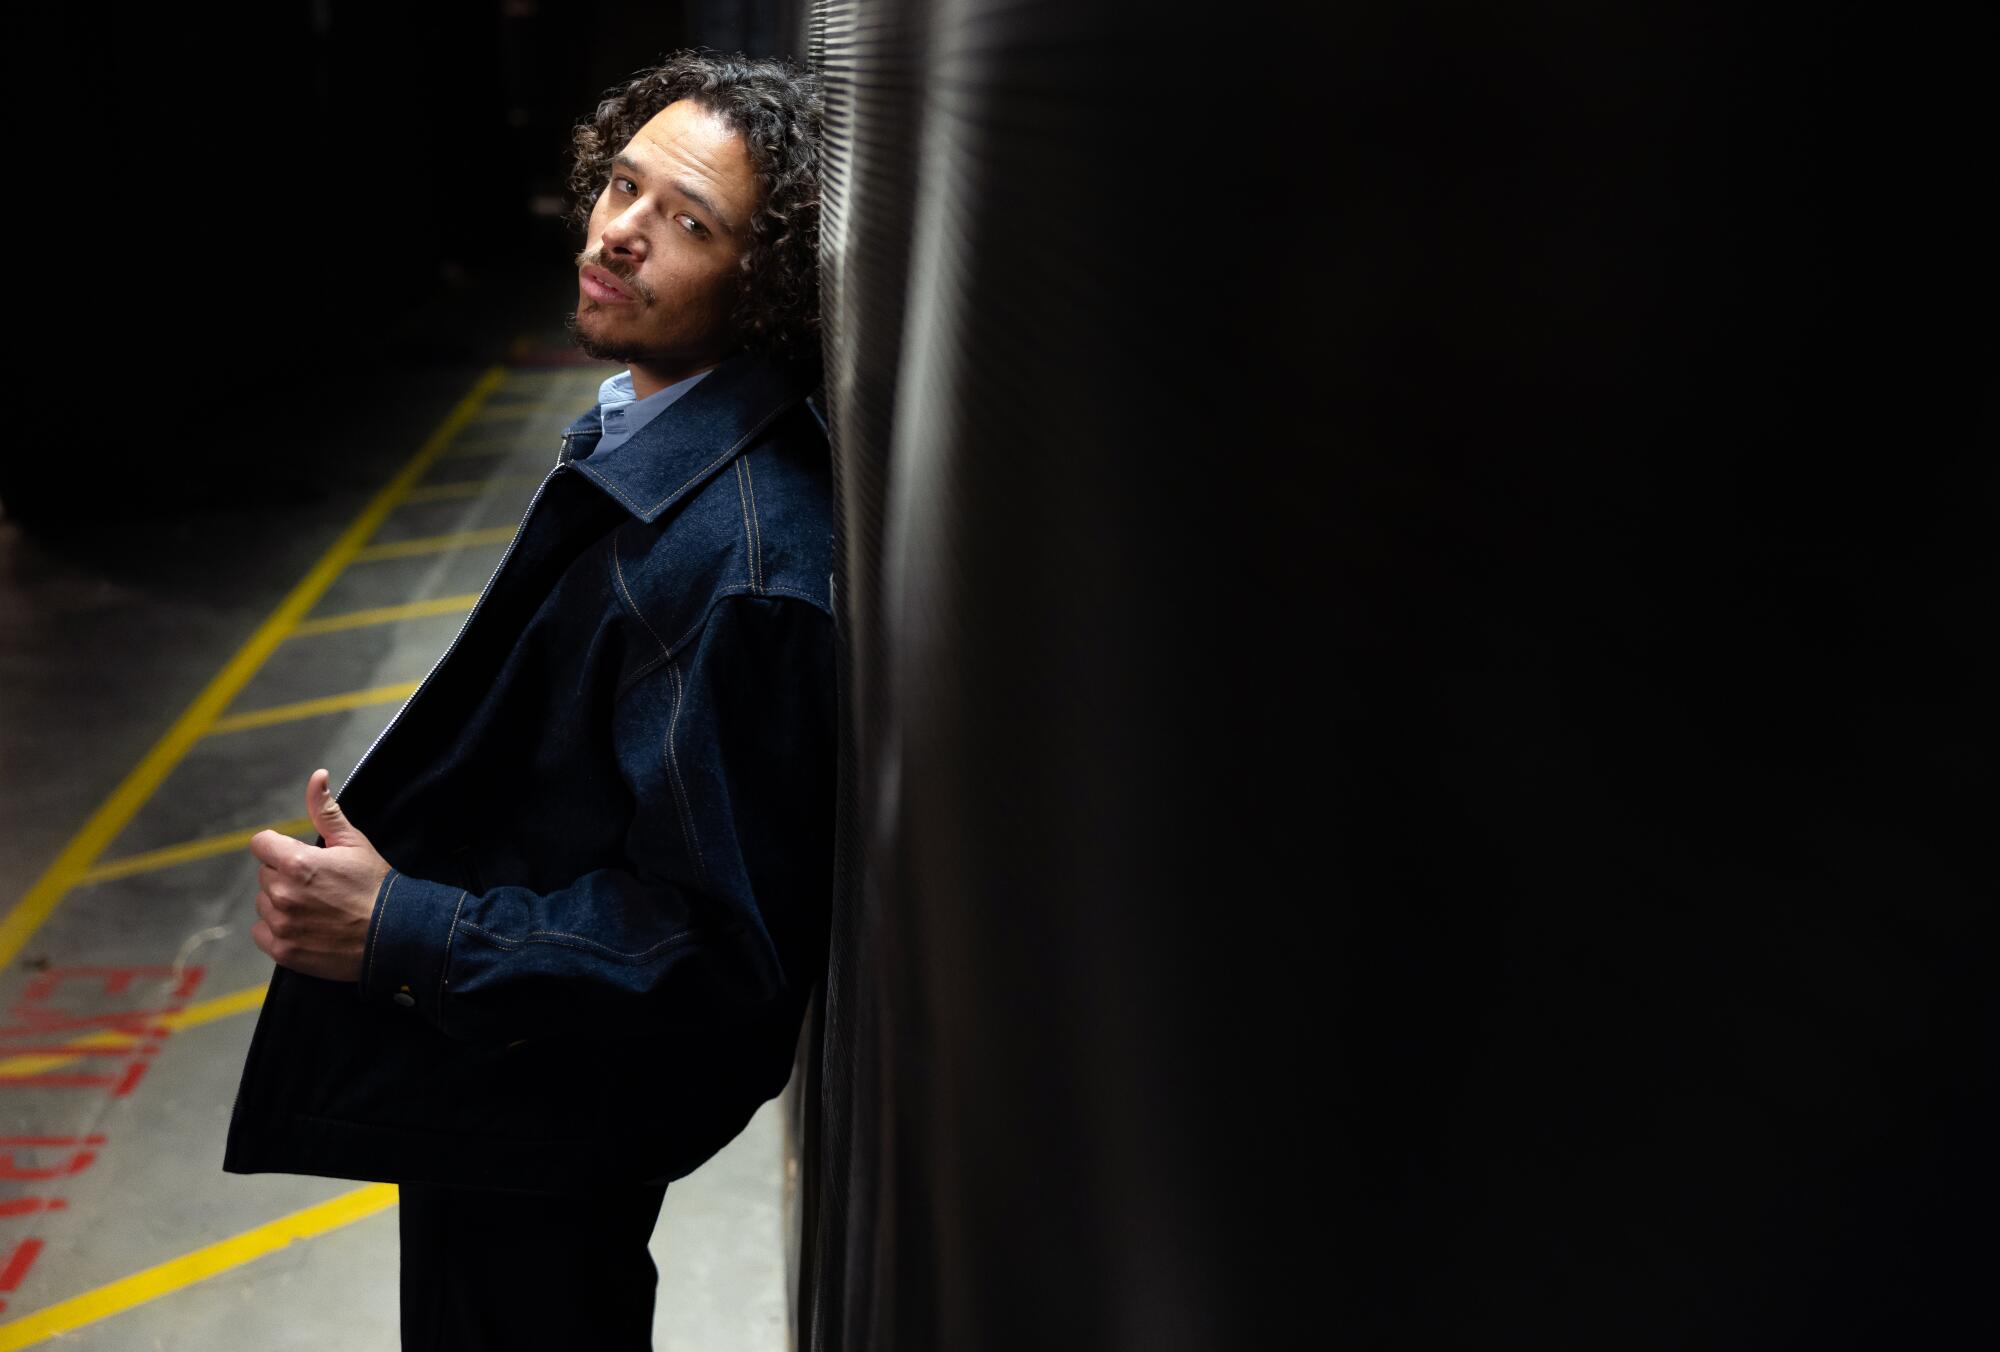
615,181
693,226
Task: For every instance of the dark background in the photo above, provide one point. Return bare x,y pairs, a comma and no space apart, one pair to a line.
1422,650
1422,725
252,211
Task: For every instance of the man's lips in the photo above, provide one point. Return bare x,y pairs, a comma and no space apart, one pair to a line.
604,288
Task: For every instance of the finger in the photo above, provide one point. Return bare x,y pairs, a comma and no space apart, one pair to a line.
274,848
260,935
333,825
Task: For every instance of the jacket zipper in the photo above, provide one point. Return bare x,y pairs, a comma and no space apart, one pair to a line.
562,460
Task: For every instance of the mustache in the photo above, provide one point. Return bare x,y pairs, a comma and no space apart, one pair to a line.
624,272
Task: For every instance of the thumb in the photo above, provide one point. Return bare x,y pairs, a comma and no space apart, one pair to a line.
327,817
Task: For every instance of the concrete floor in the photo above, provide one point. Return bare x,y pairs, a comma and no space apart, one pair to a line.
122,822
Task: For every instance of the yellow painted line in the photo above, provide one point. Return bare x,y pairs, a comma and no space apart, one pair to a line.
469,488
178,1273
204,1011
487,449
435,544
413,610
312,708
76,858
580,372
186,852
221,1007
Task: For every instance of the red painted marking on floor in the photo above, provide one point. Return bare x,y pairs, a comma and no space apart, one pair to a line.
18,1263
42,1028
112,981
75,1164
133,1023
60,1080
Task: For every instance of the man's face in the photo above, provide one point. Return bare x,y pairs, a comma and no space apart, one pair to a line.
659,276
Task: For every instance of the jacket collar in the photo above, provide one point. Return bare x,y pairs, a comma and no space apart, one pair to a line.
697,435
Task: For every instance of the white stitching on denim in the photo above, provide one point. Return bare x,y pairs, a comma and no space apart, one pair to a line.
370,964
687,635
564,940
381,917
749,534
618,570
741,442
756,524
674,768
723,593
707,469
819,602
613,488
639,673
444,968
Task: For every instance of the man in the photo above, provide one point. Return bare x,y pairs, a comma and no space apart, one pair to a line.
554,944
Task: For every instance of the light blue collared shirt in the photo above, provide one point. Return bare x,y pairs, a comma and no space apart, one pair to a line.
623,413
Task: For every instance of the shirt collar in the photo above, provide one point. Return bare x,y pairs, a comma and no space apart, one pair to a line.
720,413
621,413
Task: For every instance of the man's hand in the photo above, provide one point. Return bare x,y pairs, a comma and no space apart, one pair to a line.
314,902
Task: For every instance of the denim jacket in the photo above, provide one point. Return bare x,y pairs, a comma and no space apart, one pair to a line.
609,815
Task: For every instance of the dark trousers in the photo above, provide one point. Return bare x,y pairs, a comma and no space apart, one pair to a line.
494,1271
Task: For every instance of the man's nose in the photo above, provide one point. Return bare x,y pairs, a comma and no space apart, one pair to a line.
622,235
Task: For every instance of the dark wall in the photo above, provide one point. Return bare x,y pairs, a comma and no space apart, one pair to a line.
1416,580
259,208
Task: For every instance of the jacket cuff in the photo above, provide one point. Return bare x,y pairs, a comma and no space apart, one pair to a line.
408,945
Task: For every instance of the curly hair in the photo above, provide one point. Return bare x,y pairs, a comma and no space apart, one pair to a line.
777,107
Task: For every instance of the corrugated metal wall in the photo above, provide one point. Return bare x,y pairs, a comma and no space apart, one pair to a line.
1409,775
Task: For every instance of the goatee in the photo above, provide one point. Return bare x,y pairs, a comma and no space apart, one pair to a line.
601,351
